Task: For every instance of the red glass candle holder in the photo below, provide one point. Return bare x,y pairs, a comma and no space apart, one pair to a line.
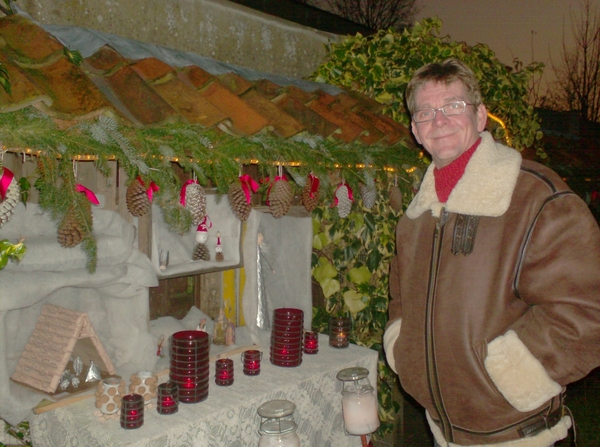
311,342
251,361
339,332
189,365
167,398
132,411
224,372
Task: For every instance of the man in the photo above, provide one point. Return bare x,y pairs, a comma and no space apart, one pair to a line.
496,283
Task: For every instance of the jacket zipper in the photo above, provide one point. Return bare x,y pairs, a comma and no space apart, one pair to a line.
432,372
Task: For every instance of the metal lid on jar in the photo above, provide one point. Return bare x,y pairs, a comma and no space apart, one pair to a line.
355,373
275,409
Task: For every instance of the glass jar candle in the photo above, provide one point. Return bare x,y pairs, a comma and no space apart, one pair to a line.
311,342
251,361
359,401
132,411
339,332
277,426
167,400
224,372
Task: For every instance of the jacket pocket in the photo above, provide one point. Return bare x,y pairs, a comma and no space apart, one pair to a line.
480,348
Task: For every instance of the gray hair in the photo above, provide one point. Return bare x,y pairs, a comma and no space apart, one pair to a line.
446,72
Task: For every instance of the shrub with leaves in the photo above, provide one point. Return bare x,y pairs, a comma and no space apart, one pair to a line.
350,262
382,64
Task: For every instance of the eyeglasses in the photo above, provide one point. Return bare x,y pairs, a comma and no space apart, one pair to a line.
450,109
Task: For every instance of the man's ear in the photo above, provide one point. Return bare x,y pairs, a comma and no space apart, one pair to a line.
415,131
481,118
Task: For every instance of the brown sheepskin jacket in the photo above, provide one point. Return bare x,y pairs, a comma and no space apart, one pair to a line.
495,301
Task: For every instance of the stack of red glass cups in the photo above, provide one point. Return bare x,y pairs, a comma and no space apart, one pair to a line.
286,337
189,367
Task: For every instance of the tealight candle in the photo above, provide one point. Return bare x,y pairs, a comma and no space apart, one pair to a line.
251,360
132,411
339,330
224,372
311,342
167,401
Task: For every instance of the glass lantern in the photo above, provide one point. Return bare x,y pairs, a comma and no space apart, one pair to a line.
277,426
359,401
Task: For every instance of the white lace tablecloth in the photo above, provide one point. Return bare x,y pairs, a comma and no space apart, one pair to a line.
228,416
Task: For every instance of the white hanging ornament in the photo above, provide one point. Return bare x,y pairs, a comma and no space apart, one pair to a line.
193,197
10,192
343,199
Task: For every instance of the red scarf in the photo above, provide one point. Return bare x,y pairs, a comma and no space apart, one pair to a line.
447,177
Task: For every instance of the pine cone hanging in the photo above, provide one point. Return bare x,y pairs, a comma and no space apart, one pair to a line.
71,231
395,197
310,203
369,195
201,253
237,200
280,198
344,202
137,199
195,202
7,206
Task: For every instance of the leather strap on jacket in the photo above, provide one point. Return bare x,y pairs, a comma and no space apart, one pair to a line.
464,234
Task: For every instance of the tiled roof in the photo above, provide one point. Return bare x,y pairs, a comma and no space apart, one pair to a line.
151,89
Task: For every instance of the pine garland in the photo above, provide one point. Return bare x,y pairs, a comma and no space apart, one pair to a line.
213,156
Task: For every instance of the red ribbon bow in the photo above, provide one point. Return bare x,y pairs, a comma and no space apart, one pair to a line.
151,189
248,184
7,177
314,185
182,192
88,193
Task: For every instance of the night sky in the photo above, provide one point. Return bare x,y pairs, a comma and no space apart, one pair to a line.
531,30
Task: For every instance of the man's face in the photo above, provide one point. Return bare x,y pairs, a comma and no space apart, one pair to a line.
447,137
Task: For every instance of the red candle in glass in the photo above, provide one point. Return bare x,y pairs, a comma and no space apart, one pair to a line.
132,411
167,401
224,372
251,360
311,342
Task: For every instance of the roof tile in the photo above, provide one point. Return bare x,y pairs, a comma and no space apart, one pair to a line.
149,91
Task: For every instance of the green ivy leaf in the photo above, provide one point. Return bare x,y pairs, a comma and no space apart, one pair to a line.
330,287
353,301
359,275
325,270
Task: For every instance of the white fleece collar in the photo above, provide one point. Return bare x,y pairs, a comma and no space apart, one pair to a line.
485,189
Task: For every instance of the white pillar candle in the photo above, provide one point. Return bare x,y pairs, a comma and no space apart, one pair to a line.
360,413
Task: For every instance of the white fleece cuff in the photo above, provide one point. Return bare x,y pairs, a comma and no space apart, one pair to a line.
517,374
391,334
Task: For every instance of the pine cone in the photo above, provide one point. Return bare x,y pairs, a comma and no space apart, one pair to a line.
201,253
11,200
344,202
280,198
70,230
195,202
237,201
137,199
395,197
310,203
369,195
